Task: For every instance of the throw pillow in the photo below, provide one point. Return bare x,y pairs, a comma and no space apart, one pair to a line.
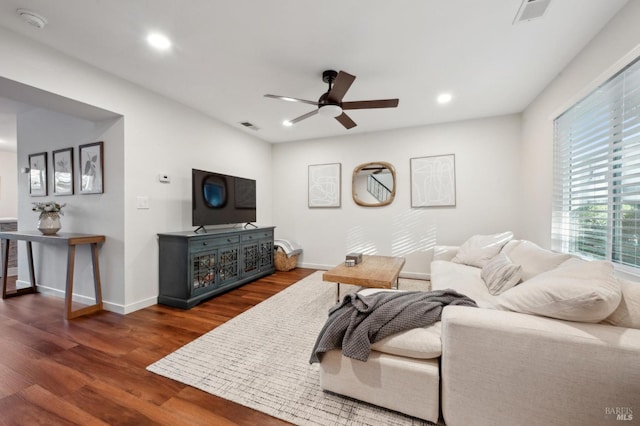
500,274
628,312
533,258
479,249
579,290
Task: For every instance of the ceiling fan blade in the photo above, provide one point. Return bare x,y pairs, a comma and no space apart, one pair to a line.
340,86
302,117
290,99
380,103
346,121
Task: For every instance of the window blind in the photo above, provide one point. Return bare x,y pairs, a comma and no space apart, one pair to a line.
596,194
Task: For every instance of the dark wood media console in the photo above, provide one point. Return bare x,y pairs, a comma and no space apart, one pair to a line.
196,266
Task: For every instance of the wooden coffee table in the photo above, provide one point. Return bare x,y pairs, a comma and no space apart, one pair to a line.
373,271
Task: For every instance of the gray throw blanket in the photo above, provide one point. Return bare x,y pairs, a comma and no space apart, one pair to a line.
360,320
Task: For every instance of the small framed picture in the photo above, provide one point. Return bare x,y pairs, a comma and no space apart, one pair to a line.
324,185
63,171
38,174
91,168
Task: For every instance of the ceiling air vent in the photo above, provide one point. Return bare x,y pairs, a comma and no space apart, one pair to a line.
531,9
249,125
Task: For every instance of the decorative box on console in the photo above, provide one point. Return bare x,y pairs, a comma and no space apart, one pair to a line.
357,257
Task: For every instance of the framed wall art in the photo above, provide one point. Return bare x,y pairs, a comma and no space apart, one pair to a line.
91,168
433,181
63,171
38,174
324,185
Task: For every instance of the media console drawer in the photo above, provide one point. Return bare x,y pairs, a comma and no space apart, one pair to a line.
251,236
207,243
196,266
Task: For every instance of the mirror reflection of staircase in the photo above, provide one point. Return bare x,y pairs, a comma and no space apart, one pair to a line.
377,189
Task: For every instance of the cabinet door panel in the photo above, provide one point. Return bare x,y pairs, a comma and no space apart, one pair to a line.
203,271
250,258
266,254
228,260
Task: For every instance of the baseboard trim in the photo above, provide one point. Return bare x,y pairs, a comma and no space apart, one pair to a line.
106,305
140,305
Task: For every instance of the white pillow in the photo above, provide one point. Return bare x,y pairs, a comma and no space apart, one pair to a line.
628,312
576,291
479,249
500,274
533,258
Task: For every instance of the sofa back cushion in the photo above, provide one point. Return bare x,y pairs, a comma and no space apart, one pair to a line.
463,279
533,258
627,314
480,249
578,290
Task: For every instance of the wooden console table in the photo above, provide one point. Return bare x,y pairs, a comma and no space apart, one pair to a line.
71,240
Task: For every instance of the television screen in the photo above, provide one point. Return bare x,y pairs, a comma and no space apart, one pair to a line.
219,199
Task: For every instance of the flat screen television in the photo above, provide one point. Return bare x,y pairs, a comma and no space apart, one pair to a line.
219,199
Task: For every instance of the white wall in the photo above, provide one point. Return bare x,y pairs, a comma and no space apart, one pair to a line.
487,153
41,130
8,184
165,138
620,35
160,136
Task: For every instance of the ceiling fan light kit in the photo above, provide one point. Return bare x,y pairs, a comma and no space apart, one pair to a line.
330,110
330,103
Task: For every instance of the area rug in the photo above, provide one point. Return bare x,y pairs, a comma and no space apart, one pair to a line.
260,359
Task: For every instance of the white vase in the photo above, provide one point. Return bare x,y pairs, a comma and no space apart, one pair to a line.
49,223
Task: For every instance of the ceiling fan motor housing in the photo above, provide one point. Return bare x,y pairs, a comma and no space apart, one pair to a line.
329,76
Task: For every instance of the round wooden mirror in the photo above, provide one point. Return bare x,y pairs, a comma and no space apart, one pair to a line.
373,184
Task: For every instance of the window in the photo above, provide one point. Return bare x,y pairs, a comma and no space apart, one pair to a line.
596,197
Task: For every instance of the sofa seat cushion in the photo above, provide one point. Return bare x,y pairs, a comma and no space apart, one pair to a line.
533,258
578,290
419,343
464,279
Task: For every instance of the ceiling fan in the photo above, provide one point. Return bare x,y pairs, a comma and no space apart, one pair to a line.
330,103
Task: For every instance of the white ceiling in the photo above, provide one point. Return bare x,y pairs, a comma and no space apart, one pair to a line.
228,53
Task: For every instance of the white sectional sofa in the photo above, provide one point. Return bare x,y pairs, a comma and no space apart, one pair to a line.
562,347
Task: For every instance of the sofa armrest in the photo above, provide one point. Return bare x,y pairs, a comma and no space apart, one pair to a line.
509,368
445,252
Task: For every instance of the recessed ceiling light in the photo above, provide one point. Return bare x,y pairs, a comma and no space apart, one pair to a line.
444,98
158,41
287,123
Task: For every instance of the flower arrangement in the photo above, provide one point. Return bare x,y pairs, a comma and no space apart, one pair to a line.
48,207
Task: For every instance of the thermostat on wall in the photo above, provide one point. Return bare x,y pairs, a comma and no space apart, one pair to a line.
164,178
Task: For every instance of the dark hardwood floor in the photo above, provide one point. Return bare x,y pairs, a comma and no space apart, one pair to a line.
91,370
